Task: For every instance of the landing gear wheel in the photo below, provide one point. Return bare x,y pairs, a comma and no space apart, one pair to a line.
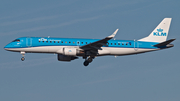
90,60
86,63
22,58
23,54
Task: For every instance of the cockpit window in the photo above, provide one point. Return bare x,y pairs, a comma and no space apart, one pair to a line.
17,40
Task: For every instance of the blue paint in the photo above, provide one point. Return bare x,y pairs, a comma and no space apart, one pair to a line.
45,41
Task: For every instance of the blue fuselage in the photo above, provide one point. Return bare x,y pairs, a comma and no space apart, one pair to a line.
26,42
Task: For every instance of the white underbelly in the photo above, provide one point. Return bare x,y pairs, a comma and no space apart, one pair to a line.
126,51
104,51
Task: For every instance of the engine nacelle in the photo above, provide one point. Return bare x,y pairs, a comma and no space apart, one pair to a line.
65,58
70,51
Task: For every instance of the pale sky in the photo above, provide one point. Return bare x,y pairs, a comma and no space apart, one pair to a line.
152,76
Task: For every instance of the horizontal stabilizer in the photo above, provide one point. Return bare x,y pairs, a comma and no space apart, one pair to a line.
164,43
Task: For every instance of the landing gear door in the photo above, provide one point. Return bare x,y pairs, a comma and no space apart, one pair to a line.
136,45
29,42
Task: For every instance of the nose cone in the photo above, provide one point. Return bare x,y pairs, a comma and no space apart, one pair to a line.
7,47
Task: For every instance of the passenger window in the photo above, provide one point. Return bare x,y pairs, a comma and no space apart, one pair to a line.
111,43
118,43
130,43
66,42
54,41
61,41
122,43
114,43
50,41
78,42
69,42
82,42
58,41
42,41
74,42
47,41
86,42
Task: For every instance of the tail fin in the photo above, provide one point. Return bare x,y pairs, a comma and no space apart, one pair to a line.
160,33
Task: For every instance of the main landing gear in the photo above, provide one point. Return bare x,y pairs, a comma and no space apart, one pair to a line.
23,54
87,61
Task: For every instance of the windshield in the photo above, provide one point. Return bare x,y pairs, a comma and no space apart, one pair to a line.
17,40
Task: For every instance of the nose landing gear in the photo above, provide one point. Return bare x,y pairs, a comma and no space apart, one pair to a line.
23,54
22,58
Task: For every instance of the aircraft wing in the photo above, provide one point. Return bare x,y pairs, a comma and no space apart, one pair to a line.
98,44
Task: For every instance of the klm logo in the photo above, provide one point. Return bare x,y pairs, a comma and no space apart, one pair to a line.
159,33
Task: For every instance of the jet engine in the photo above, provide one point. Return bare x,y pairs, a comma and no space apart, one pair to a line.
66,51
65,57
70,51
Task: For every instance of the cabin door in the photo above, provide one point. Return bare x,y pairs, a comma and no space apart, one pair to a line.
136,45
29,42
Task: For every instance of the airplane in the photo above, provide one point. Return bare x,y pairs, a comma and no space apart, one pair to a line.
68,49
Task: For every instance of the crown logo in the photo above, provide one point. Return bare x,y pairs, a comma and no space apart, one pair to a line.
159,30
159,33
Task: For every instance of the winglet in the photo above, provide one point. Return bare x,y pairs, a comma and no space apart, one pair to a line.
112,36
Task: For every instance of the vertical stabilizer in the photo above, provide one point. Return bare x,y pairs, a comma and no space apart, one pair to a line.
160,33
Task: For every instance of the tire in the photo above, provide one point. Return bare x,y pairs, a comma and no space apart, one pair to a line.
86,63
90,60
22,58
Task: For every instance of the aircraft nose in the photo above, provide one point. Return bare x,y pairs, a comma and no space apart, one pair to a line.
7,47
